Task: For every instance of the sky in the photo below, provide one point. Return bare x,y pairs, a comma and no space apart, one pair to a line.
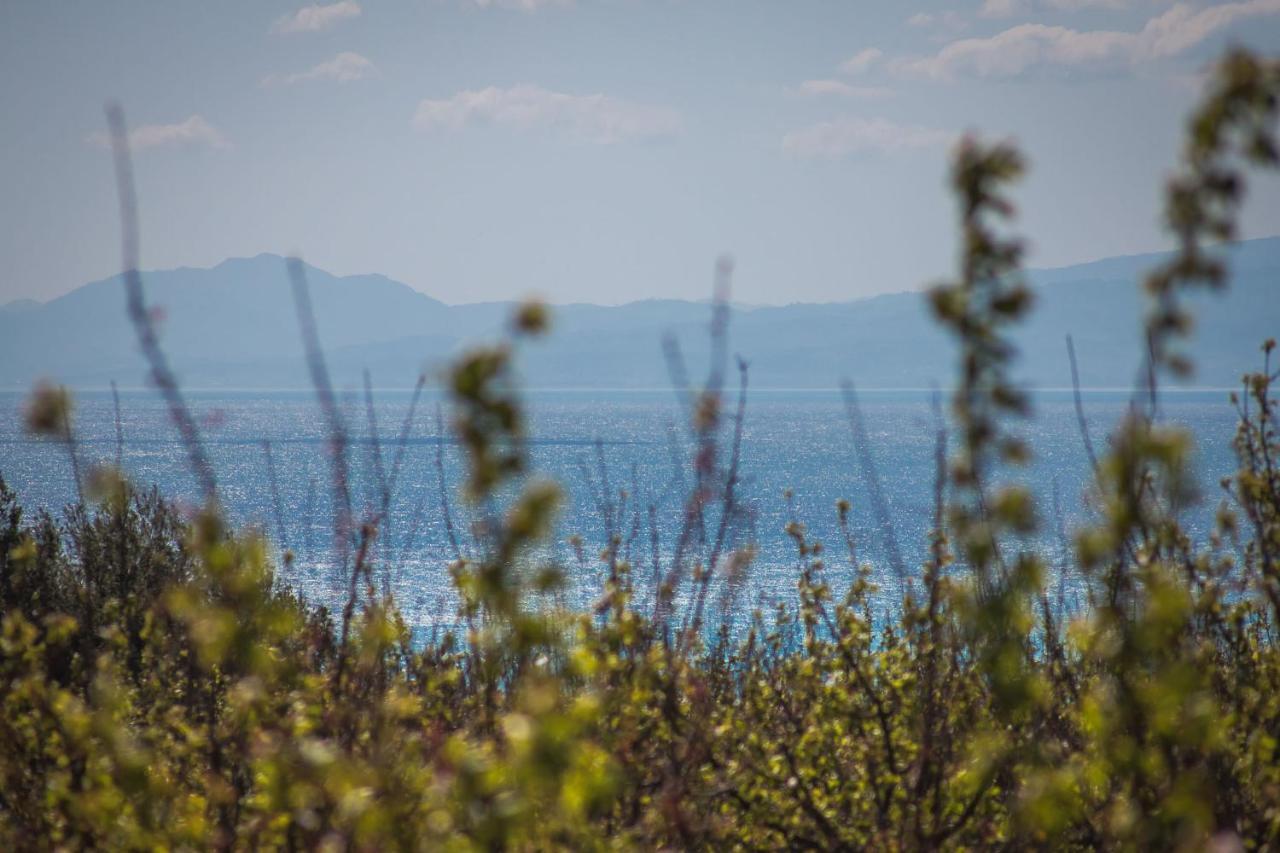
595,150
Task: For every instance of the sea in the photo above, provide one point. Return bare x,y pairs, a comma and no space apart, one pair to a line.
624,461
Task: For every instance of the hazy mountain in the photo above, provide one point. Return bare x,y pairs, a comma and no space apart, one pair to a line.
18,306
234,326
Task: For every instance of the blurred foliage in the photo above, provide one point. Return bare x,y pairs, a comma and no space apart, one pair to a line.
160,688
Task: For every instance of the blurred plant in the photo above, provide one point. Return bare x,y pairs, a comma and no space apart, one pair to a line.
161,688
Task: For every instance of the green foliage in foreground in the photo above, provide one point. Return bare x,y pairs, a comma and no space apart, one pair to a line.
160,689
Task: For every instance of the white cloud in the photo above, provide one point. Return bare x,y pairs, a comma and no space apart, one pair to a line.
1002,8
841,89
844,136
862,61
310,19
948,22
1076,5
1009,8
1184,26
343,68
193,131
522,5
593,118
1028,46
1017,49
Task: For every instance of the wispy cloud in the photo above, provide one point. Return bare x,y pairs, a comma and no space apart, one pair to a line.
1008,8
840,89
1018,49
957,22
522,5
310,19
1185,26
193,131
1076,5
1003,8
948,21
343,68
843,137
592,118
862,61
1029,46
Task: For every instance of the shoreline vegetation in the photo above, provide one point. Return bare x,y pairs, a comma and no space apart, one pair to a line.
161,689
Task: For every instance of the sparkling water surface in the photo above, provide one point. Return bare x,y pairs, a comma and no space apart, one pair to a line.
795,443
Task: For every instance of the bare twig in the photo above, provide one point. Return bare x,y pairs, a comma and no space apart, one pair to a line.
679,374
73,453
728,504
375,442
402,442
143,326
308,512
277,505
444,487
867,465
342,513
115,399
1081,421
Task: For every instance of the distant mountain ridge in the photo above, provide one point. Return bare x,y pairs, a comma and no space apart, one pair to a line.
234,325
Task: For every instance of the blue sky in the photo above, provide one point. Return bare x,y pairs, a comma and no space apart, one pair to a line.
594,150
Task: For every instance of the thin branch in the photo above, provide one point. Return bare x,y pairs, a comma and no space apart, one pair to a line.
402,442
143,326
342,514
379,472
444,486
277,505
115,399
1081,421
728,502
867,465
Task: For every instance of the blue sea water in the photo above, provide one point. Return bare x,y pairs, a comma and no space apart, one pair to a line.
798,458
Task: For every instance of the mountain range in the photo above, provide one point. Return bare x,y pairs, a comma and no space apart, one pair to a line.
234,325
